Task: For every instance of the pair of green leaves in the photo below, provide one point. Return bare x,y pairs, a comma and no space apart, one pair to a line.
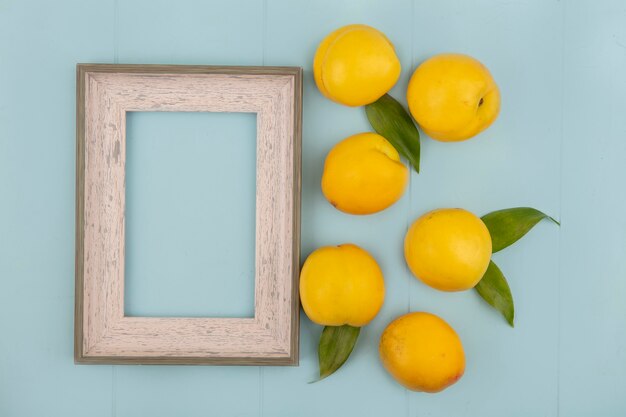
390,119
505,227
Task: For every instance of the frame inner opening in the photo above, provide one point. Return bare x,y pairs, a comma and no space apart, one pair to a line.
190,214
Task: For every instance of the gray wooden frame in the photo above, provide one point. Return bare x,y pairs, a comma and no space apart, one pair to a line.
103,334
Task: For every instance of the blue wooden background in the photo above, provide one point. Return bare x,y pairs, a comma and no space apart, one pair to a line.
559,145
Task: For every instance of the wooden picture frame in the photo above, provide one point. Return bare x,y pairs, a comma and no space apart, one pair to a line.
103,333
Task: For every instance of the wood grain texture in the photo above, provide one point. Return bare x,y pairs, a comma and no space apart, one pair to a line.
102,332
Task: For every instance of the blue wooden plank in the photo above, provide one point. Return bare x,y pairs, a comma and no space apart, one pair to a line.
566,355
593,287
192,32
38,376
515,162
40,44
361,387
165,391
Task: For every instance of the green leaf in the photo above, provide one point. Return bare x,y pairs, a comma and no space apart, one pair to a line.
336,344
509,225
391,120
494,289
